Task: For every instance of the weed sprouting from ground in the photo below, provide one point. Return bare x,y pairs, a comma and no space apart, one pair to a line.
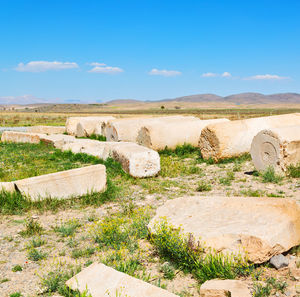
32,227
122,231
294,171
191,256
68,228
203,186
55,281
270,176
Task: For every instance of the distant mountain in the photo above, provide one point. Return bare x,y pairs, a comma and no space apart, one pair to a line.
123,101
197,98
24,100
243,98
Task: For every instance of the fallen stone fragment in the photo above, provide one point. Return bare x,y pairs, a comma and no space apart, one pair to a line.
231,139
136,160
47,129
7,187
262,227
64,184
276,147
71,125
279,261
225,288
158,135
128,129
20,137
56,140
100,280
88,126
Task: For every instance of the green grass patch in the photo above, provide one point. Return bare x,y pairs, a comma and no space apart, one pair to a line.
294,171
192,256
270,176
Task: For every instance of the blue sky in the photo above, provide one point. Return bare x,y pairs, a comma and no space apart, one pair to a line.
148,49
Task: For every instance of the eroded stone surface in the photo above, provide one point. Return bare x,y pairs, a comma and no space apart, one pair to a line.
47,129
64,184
225,288
277,147
263,227
128,129
19,137
103,281
7,186
225,140
160,135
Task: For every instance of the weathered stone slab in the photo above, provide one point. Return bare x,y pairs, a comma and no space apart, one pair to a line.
71,124
7,186
160,135
128,129
64,184
47,129
19,137
136,160
102,281
226,140
56,140
263,227
277,147
91,125
225,288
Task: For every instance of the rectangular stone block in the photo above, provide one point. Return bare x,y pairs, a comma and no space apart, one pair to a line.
47,129
19,137
64,184
102,281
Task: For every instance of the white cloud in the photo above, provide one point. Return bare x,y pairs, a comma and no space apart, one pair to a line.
164,72
106,69
42,66
226,74
209,74
266,77
96,64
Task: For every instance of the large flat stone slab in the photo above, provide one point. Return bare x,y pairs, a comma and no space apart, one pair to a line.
225,288
102,281
20,137
263,227
47,129
64,184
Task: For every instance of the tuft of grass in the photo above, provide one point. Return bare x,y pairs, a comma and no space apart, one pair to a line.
271,287
55,281
68,228
17,268
32,227
228,179
294,171
182,151
98,137
16,294
168,270
36,242
119,231
191,256
253,193
203,187
269,176
36,255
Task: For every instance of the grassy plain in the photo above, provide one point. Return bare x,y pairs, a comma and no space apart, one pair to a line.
48,242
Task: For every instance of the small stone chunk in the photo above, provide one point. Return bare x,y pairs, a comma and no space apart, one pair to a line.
279,261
